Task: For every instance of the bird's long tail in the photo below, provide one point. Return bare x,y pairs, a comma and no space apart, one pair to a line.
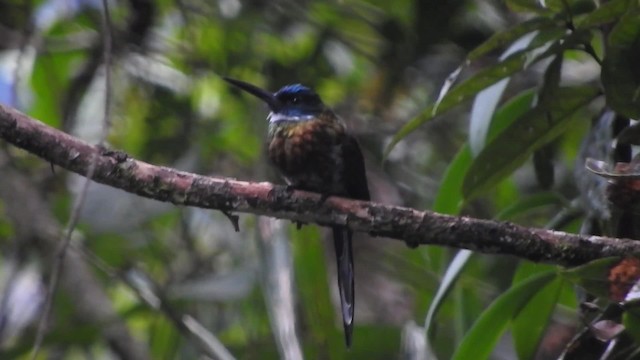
344,256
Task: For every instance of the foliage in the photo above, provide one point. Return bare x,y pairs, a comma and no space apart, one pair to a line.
490,157
536,73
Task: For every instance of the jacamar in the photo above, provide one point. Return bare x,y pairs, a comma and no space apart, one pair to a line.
312,149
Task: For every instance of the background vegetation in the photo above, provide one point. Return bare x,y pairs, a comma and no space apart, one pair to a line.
483,108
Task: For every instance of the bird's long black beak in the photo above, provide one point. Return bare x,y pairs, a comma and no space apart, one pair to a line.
264,95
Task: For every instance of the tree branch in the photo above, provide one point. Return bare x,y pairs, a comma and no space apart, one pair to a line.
117,169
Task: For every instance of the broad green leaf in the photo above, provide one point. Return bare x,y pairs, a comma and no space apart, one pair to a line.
620,74
448,83
449,201
450,276
528,6
134,133
575,7
607,12
508,36
527,269
513,146
449,197
543,157
49,81
487,100
164,338
480,340
631,322
491,75
510,112
462,92
529,325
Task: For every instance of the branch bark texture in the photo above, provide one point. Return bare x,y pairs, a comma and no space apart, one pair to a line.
117,169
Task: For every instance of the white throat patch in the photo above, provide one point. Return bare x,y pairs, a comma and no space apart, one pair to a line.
275,117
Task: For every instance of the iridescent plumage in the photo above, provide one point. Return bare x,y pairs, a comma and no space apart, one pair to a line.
312,149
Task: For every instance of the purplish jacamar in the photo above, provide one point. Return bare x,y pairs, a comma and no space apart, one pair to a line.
313,150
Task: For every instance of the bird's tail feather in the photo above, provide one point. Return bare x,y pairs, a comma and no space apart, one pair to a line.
344,256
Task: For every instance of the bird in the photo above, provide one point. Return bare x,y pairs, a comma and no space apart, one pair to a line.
312,149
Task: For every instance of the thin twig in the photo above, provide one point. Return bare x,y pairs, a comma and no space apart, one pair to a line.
79,202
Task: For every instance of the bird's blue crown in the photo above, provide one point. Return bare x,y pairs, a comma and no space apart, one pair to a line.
298,100
294,89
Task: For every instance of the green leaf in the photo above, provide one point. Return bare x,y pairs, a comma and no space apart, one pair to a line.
507,114
485,103
530,323
608,12
510,112
480,340
575,7
462,92
449,201
620,72
631,322
164,338
49,80
449,197
491,75
454,269
508,36
543,157
513,146
527,6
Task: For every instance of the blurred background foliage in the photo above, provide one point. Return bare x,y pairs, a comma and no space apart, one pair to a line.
483,108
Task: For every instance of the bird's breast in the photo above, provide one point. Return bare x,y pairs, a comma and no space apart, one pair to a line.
309,153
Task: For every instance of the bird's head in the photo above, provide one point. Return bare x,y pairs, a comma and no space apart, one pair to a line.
291,103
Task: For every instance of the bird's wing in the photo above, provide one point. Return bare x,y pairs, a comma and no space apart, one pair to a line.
355,178
355,174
